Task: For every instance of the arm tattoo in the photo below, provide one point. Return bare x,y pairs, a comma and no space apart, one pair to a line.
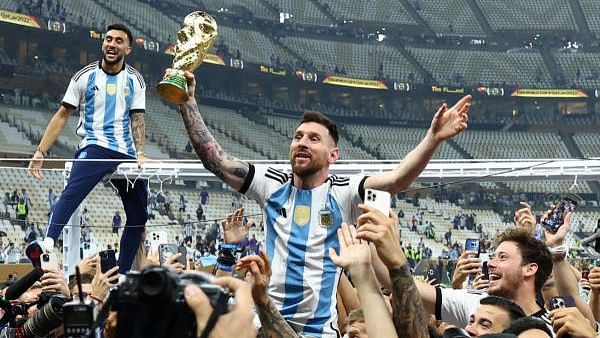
409,316
272,322
138,130
210,152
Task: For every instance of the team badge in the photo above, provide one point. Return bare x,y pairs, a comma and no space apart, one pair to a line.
326,217
111,89
301,215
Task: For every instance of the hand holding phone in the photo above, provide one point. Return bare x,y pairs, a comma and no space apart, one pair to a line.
107,260
379,200
556,218
49,261
562,302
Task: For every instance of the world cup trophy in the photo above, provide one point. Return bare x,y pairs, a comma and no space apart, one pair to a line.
197,35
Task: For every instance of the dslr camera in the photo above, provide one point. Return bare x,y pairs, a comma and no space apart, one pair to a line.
150,303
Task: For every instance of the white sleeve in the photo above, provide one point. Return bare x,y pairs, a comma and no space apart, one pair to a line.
73,94
459,305
261,181
139,95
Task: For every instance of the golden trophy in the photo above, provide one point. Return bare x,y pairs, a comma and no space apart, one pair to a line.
197,35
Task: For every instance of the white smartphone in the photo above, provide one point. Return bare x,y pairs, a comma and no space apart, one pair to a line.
48,261
157,238
378,199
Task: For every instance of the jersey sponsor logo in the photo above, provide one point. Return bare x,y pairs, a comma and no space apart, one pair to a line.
301,215
111,89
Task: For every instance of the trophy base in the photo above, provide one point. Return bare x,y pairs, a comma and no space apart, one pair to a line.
173,89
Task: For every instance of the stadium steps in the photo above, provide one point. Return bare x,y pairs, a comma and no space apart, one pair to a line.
485,25
555,72
418,19
575,152
325,10
462,151
425,74
580,21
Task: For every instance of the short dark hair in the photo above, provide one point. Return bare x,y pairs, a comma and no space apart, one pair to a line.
527,323
320,118
532,251
514,311
85,279
123,28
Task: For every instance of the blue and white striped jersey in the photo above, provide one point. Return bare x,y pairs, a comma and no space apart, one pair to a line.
105,102
300,227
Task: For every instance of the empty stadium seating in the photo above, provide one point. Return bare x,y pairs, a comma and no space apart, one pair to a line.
525,69
534,15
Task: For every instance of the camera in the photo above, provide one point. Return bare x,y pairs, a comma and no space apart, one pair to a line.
48,317
151,303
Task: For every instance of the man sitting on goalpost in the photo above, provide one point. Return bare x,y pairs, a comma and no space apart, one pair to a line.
111,99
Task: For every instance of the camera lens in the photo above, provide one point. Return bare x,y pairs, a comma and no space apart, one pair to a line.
154,284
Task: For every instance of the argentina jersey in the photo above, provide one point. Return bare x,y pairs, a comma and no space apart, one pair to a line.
300,227
105,102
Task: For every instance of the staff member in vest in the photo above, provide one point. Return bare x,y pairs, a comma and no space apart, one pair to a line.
111,99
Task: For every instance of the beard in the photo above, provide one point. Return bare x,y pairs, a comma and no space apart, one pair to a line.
110,63
305,170
507,285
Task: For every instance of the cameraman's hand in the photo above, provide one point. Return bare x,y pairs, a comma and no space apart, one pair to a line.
88,264
234,229
465,265
54,282
102,282
237,323
261,274
173,263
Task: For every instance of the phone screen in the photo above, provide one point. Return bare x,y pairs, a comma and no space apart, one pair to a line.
557,217
472,244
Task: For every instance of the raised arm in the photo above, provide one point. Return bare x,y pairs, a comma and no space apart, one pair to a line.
54,128
229,169
446,123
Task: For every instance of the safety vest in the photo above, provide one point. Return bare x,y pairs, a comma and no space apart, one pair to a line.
21,209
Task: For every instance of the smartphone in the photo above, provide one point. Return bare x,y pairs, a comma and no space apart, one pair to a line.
107,260
378,199
557,216
485,270
562,302
165,251
585,274
431,276
157,238
48,261
472,244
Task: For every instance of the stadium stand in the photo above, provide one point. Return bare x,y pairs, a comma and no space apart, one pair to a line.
535,15
449,17
460,67
374,11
